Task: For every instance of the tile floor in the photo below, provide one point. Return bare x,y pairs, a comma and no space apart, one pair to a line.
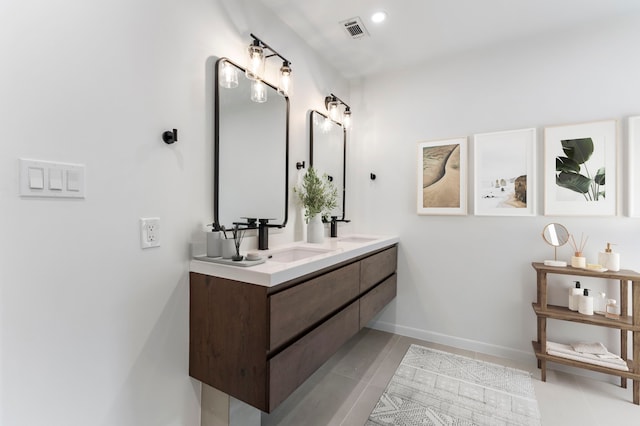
347,387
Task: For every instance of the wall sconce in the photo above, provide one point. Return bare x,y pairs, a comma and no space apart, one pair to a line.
332,103
256,66
346,118
284,86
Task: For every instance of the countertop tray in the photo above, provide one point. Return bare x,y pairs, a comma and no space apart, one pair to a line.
243,263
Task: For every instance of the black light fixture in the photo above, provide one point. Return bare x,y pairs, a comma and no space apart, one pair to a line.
256,66
332,103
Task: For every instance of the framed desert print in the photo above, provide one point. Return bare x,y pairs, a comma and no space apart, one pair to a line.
442,177
504,167
633,159
580,169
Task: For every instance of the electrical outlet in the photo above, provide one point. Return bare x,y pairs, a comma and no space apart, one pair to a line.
149,232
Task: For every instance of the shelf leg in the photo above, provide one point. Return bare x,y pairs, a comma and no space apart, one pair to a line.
635,336
543,370
624,335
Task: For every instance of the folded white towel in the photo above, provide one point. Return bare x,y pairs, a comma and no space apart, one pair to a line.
590,348
566,351
607,356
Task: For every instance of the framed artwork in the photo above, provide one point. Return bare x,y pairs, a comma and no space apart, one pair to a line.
442,177
580,169
633,131
504,173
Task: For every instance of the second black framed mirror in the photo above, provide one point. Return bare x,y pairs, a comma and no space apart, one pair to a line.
328,154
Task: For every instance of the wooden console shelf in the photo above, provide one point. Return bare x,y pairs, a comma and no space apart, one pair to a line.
626,324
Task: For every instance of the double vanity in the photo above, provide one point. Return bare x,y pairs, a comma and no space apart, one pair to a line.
257,333
259,328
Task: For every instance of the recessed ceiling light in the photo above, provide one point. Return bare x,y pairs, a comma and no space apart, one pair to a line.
378,17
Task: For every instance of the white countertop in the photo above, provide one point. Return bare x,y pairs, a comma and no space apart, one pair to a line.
272,272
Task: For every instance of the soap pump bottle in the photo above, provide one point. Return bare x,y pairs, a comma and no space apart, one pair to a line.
214,242
608,259
585,303
574,293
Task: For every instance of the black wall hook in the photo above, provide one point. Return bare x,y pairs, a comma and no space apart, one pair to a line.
170,137
372,176
300,165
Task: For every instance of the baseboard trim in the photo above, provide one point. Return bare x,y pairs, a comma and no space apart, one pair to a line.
456,342
485,348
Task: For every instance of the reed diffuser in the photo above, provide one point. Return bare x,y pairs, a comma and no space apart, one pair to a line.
238,235
578,260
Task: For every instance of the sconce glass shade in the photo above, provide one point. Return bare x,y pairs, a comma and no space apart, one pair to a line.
334,112
258,91
346,118
326,125
228,75
284,87
255,65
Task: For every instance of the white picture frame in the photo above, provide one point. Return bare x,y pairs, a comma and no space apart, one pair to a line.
504,170
442,177
633,158
600,165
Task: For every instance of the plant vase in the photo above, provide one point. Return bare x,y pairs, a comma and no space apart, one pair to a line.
315,230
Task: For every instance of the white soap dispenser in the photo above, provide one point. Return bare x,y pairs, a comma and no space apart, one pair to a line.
574,294
585,303
608,259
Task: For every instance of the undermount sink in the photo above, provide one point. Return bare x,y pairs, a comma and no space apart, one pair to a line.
296,253
356,239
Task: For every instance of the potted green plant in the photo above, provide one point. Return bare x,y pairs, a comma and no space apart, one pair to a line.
318,196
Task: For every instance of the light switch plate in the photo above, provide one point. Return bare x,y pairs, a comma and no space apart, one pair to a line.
47,179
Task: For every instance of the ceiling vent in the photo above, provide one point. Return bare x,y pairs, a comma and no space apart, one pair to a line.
355,28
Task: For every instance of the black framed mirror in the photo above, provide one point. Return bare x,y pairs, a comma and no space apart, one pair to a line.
251,150
328,154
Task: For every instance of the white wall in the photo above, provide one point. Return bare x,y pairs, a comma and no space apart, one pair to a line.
468,281
95,330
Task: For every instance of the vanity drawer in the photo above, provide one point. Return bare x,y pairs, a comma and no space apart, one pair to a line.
373,302
290,368
375,268
299,308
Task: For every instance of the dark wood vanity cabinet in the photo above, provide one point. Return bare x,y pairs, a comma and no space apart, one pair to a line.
258,343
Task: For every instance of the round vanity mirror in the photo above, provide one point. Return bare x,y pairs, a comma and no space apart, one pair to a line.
555,235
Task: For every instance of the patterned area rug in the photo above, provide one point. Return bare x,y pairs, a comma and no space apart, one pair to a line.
432,387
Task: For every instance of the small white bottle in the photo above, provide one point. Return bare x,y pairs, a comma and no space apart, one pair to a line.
574,293
608,259
600,303
585,303
613,310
